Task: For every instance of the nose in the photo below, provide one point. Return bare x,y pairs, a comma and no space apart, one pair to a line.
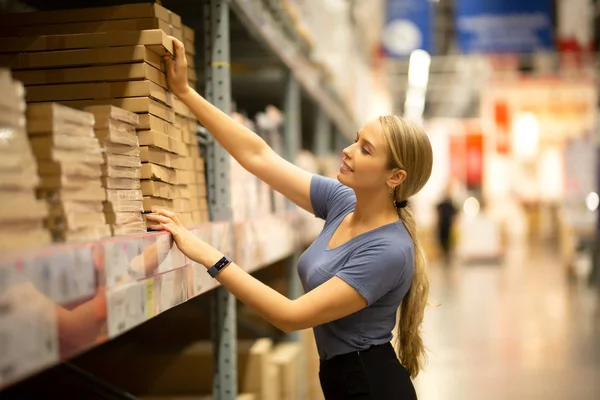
346,151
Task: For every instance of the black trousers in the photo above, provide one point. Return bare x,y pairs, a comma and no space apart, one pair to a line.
373,374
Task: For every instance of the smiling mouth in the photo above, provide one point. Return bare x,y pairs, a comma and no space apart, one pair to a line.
346,167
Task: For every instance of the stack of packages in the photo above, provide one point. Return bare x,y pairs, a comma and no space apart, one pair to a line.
20,211
69,159
98,59
116,130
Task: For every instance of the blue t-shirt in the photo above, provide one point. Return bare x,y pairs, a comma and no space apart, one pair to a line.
379,264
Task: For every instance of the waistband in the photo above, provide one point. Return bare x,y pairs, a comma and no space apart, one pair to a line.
375,352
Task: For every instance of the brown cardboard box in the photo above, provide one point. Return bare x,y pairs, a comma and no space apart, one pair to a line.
20,178
182,205
72,222
67,156
129,229
81,169
65,182
77,207
121,149
157,189
134,24
155,39
12,119
28,239
111,117
121,172
152,202
118,160
189,35
150,122
82,235
123,218
134,104
88,145
161,157
98,91
24,206
286,357
90,193
155,139
125,206
82,58
48,126
58,113
118,136
105,73
158,173
121,183
116,196
127,11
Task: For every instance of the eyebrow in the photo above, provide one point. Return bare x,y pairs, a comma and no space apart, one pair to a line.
369,144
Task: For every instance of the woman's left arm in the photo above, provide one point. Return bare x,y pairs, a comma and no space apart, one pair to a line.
332,300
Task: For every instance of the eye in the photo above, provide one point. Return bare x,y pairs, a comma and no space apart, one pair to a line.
364,150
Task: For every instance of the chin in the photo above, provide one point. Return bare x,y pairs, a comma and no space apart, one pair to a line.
343,179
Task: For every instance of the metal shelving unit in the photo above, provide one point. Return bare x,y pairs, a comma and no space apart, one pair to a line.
72,297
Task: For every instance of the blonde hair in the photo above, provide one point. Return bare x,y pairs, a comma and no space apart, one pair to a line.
410,150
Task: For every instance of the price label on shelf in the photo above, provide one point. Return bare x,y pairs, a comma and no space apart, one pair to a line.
150,298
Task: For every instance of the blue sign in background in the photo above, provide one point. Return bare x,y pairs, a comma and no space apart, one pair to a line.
408,27
500,26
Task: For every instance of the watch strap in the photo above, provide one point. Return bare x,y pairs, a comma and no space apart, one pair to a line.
219,265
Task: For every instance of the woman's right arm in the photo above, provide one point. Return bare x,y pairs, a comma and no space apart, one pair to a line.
249,149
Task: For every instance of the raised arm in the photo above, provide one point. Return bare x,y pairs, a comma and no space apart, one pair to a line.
249,149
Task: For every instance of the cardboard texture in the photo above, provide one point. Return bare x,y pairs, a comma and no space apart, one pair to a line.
129,229
24,206
72,222
59,113
12,119
126,11
82,235
117,160
81,169
23,240
162,141
105,73
189,35
152,202
111,117
98,91
67,156
134,24
158,173
151,122
157,189
90,193
119,149
48,126
121,183
126,206
134,104
20,178
65,182
116,196
117,136
160,157
154,39
77,207
82,58
121,172
124,218
89,145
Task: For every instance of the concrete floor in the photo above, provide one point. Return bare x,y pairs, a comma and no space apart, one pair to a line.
518,330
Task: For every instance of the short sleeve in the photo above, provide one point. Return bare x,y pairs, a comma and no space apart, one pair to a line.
376,269
325,193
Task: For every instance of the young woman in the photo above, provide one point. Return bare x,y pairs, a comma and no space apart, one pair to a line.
365,264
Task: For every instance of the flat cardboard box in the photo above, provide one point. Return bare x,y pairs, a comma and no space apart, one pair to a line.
82,235
13,98
24,178
121,172
199,164
77,207
117,160
13,119
108,116
59,113
121,149
121,183
118,136
98,91
154,202
82,58
65,182
46,126
90,193
21,206
71,222
150,122
105,73
116,196
67,156
142,105
123,206
184,177
181,109
13,141
158,173
134,24
81,169
182,205
160,157
24,240
124,218
161,141
88,145
126,11
155,39
189,35
157,189
130,229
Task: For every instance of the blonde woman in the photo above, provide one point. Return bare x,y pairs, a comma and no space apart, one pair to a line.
364,265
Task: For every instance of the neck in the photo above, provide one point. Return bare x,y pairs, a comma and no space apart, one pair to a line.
373,210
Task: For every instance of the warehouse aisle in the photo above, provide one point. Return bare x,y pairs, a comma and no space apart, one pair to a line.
517,331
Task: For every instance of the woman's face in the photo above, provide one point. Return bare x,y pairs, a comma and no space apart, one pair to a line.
365,163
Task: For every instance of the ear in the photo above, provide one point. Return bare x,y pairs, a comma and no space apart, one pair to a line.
396,178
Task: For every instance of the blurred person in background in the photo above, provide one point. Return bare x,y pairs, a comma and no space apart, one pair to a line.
366,264
446,213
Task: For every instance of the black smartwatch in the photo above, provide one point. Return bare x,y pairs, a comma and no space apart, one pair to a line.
219,265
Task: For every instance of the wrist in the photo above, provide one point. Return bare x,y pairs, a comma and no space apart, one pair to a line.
184,94
211,257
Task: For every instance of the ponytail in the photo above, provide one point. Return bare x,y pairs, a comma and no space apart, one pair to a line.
411,350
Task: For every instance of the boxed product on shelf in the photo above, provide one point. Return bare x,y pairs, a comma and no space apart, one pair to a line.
19,207
115,128
189,41
69,159
126,17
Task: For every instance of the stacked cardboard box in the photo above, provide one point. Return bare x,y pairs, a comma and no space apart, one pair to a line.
20,211
115,128
123,69
69,159
189,41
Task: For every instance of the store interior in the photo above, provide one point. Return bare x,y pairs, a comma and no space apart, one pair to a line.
95,305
